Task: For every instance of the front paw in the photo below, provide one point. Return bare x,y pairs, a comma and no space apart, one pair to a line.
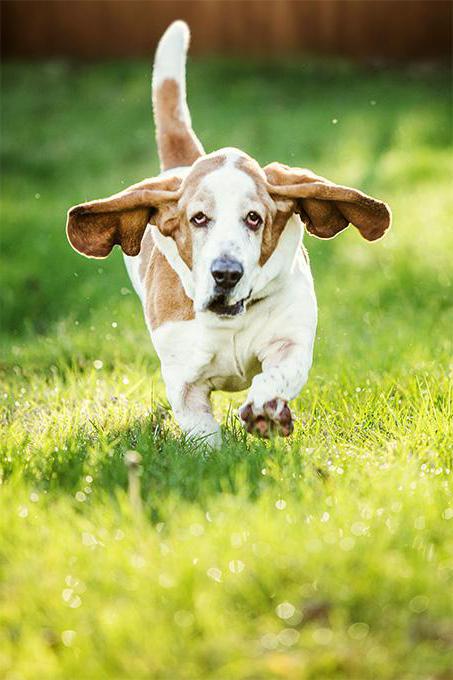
274,417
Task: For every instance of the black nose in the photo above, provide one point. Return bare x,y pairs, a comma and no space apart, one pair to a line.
226,272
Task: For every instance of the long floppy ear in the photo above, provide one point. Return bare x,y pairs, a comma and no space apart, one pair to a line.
94,228
327,208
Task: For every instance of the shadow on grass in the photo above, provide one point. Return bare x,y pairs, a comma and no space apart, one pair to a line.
169,466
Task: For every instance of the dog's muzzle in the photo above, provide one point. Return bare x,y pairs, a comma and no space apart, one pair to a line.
226,273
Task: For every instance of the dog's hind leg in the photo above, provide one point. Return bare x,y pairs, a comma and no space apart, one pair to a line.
177,143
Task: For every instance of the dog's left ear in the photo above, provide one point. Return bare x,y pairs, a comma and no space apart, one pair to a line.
94,228
327,208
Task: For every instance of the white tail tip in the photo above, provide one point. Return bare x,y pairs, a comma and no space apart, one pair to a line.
170,58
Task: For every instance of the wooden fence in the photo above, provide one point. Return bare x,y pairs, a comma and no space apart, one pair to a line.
361,29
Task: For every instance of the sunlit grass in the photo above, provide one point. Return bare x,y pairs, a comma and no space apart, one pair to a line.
325,556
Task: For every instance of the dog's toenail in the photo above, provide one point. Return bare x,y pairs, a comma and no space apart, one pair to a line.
285,415
246,412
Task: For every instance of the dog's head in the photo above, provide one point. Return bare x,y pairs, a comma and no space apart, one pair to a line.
226,218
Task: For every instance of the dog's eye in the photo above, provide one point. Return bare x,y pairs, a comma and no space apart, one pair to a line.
253,220
199,220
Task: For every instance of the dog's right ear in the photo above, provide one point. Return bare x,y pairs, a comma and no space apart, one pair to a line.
94,228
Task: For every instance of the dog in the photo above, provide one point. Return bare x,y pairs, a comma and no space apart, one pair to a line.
213,247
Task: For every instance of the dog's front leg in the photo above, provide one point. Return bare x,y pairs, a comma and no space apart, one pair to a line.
192,409
285,367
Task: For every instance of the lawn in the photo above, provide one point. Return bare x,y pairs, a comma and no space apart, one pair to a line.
328,555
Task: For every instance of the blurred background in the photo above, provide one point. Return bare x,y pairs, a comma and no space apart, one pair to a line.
361,29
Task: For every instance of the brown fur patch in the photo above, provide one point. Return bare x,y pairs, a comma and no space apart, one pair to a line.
253,170
165,296
202,168
327,208
176,141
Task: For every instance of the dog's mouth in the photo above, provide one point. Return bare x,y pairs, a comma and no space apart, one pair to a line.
219,306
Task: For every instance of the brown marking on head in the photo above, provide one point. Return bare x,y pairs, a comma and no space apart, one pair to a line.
327,208
94,228
171,218
249,165
201,168
176,141
277,213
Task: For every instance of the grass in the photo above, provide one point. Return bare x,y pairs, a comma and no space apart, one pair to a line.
325,556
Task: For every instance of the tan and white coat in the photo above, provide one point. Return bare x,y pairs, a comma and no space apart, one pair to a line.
263,340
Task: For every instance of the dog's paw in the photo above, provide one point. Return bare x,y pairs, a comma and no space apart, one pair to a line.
274,417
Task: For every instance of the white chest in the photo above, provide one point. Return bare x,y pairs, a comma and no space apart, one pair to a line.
225,358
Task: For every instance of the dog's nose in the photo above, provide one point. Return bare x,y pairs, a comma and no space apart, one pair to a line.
226,273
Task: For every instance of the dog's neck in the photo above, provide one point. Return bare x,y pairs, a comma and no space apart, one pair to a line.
268,279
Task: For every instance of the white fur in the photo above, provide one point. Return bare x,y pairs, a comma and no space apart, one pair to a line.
226,195
170,62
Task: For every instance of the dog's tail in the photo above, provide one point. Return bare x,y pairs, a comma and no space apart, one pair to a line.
177,143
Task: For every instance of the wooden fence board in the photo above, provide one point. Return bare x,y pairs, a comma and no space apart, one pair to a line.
361,29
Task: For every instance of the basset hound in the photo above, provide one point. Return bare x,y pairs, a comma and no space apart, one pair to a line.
213,246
